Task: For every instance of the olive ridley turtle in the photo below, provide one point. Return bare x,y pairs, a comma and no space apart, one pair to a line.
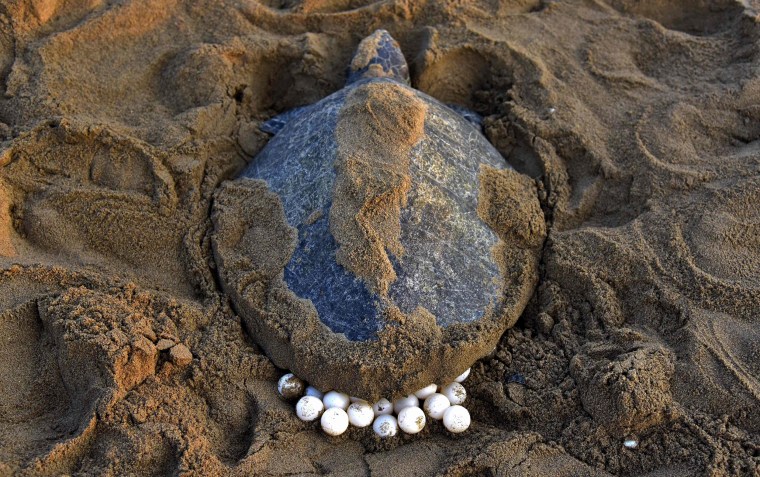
378,242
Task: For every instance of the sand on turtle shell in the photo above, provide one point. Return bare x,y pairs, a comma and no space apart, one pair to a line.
638,118
373,179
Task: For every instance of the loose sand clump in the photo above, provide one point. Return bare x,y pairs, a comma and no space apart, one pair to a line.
629,392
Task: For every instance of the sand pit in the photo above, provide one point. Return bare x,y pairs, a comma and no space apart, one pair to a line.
121,354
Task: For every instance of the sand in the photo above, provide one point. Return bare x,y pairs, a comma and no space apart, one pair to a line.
373,180
121,355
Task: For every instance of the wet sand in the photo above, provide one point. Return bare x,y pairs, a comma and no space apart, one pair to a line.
639,120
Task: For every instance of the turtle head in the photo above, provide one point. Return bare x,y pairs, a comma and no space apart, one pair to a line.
378,56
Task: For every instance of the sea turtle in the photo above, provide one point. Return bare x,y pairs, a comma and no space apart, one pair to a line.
397,239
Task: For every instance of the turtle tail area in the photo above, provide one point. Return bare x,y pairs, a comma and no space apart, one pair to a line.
378,56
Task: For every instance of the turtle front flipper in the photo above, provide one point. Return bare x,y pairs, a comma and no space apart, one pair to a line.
274,124
378,56
474,118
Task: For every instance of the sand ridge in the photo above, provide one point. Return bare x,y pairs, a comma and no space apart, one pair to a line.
638,120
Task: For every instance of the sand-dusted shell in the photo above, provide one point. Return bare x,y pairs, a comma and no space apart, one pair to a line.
447,265
395,232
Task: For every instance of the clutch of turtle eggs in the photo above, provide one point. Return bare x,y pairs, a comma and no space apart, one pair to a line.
336,411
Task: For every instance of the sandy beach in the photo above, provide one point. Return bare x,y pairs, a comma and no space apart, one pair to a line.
638,122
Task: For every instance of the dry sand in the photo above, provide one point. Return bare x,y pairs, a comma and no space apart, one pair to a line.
120,355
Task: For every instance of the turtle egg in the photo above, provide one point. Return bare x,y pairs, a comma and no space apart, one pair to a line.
312,391
309,408
411,419
385,426
631,443
290,386
462,376
401,403
360,414
455,392
435,405
334,421
456,419
426,391
382,407
336,399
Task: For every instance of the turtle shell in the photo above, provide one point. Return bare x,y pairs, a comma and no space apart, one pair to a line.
447,266
380,186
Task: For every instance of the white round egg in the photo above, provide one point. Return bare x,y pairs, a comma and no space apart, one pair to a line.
334,421
456,393
411,420
426,391
382,407
456,419
336,399
309,408
312,391
407,401
435,405
360,414
462,376
385,426
290,386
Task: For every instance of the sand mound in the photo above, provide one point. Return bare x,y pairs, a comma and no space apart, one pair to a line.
638,118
